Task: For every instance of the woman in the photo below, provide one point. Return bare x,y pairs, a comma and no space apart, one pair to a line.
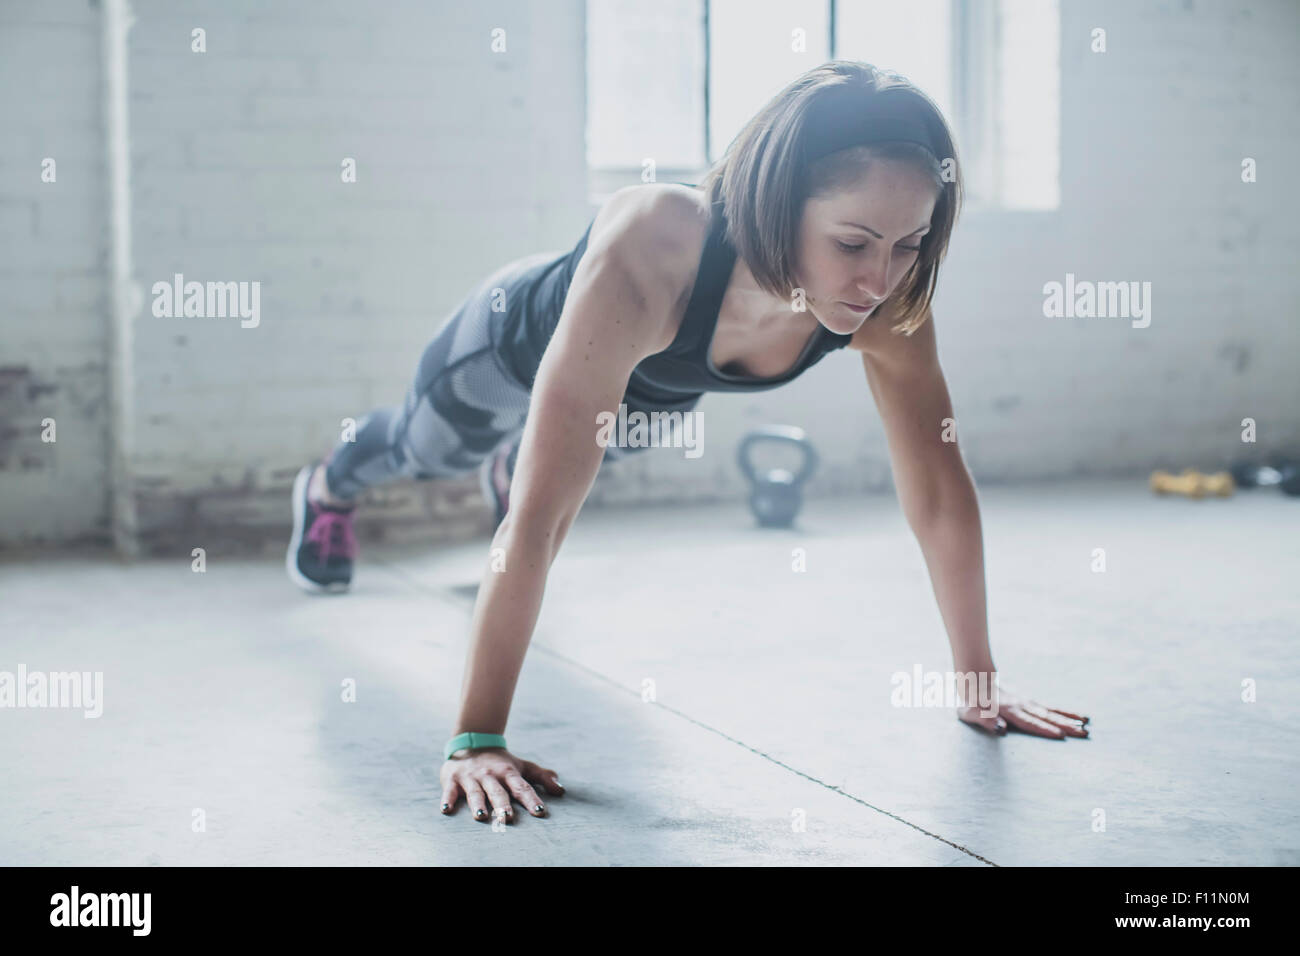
822,228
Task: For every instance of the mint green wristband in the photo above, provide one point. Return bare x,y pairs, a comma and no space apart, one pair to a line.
471,740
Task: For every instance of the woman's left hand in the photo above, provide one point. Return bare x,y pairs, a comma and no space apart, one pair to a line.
1027,716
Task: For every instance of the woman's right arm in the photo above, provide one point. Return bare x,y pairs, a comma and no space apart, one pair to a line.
619,309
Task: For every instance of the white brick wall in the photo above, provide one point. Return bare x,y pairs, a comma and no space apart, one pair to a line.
52,261
467,159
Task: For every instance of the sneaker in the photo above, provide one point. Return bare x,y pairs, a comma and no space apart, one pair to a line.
494,480
323,547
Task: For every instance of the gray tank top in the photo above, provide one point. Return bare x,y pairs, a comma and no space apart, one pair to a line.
673,379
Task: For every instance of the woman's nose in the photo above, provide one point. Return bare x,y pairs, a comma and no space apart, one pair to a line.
874,283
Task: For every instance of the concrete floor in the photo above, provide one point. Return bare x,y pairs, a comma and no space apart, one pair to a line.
222,692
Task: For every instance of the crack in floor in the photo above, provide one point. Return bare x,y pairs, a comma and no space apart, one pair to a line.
463,594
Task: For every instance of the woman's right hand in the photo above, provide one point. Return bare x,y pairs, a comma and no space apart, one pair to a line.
488,777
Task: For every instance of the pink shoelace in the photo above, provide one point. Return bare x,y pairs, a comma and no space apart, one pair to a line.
331,532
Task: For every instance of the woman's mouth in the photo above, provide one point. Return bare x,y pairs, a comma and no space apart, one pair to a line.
860,309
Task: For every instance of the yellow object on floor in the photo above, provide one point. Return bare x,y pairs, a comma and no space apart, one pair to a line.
1193,483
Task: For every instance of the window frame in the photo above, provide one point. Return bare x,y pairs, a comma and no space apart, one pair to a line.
975,96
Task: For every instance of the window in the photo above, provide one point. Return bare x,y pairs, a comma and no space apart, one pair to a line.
913,38
671,83
1029,105
645,90
755,48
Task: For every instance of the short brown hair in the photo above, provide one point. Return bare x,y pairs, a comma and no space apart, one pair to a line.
764,179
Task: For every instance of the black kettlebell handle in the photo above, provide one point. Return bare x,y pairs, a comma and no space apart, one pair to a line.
789,434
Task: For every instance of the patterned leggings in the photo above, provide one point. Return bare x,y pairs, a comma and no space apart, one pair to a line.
461,407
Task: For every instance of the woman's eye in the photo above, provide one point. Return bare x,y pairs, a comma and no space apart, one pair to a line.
848,248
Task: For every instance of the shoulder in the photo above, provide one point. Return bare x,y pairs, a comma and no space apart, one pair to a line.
655,219
655,234
638,268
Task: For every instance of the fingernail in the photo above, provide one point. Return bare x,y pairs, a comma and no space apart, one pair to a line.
444,807
539,808
479,813
560,785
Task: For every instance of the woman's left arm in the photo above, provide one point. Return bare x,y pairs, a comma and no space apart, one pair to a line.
938,499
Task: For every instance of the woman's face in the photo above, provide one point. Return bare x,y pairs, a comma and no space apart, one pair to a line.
855,245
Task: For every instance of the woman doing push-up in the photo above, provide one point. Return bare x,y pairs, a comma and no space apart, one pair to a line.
822,227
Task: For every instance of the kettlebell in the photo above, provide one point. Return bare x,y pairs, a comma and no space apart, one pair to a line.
777,494
1283,472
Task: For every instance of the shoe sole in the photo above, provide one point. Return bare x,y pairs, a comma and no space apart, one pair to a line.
300,485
